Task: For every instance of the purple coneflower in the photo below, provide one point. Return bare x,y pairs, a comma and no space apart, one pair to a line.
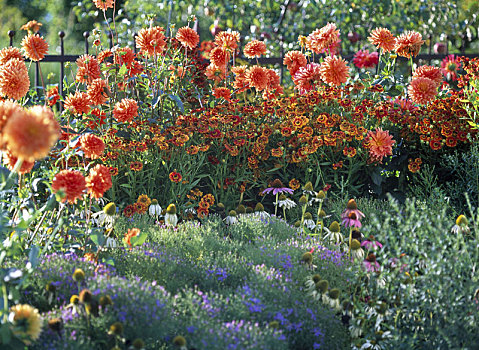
352,207
371,243
277,187
351,220
371,264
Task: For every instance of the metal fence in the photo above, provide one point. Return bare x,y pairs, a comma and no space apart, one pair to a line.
62,58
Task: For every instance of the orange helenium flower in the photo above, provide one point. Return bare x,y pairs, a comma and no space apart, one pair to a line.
125,110
433,73
151,40
104,4
257,77
30,134
383,39
188,37
97,92
175,177
380,144
323,39
8,53
408,44
294,60
10,160
14,80
98,181
79,103
71,182
254,48
92,146
334,71
34,47
422,90
88,69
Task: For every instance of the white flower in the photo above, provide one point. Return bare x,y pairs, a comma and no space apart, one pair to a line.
171,219
358,254
154,210
309,224
286,203
231,220
262,214
111,243
334,237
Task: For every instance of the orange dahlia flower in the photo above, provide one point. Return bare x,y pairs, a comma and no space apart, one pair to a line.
71,182
215,73
34,47
98,92
334,71
98,181
227,40
8,53
257,77
323,39
422,90
222,92
7,109
92,146
254,48
30,134
219,57
125,56
151,40
383,39
306,77
294,60
79,103
433,73
125,110
104,4
32,26
240,83
408,44
88,69
188,37
53,96
10,160
14,80
380,144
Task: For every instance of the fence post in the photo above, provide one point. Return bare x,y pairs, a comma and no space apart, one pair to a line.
61,34
86,35
11,34
111,40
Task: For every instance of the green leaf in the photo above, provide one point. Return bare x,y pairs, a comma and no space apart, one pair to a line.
98,238
138,240
179,104
123,70
33,255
